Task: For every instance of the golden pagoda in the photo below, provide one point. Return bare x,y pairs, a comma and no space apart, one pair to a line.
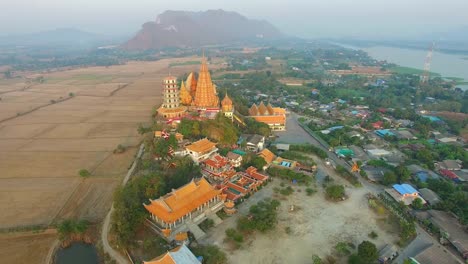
191,84
227,106
185,97
205,94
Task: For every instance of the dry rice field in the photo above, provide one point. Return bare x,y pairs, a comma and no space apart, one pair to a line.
43,145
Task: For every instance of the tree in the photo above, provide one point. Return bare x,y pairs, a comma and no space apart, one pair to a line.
316,260
211,254
367,252
389,178
253,160
402,172
335,192
417,203
84,173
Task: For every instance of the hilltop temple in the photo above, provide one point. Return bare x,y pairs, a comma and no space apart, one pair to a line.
274,117
194,95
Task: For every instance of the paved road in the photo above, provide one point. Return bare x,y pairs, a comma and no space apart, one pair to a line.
107,221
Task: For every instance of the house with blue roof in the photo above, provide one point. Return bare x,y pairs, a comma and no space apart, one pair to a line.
384,132
404,193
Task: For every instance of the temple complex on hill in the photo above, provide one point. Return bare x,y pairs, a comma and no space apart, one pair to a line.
171,99
195,95
181,210
275,117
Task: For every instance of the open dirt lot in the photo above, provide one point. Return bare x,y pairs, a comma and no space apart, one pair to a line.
317,225
51,130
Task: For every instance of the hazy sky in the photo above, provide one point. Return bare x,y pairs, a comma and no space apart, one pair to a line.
306,18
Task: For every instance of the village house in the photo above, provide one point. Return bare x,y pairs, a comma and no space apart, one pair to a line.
451,165
421,174
201,150
429,196
253,142
404,193
193,202
450,227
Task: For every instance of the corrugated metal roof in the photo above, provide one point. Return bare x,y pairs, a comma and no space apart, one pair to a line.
404,188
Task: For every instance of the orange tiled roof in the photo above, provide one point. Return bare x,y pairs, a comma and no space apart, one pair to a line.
279,111
182,236
275,119
229,204
201,146
179,136
267,155
158,134
180,202
253,111
252,172
262,109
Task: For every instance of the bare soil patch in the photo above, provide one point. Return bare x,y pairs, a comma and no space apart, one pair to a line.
315,227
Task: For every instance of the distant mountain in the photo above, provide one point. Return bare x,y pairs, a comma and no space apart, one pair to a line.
70,37
189,29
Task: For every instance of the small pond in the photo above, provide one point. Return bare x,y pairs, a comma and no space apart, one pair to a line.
77,253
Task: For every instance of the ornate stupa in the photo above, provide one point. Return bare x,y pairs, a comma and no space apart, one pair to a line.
171,99
205,94
185,97
191,84
227,107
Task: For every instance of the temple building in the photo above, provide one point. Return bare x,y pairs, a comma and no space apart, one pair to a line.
243,183
227,107
171,99
175,212
217,168
178,255
185,97
201,150
274,117
205,93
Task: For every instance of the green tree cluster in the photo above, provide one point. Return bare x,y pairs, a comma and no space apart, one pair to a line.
290,175
262,217
335,192
69,227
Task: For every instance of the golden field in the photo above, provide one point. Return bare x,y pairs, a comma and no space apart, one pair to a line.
72,121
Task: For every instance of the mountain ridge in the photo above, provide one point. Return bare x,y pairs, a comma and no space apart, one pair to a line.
187,29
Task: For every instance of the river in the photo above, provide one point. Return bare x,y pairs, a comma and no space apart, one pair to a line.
448,65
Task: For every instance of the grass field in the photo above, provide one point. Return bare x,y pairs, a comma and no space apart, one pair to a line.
185,63
408,70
